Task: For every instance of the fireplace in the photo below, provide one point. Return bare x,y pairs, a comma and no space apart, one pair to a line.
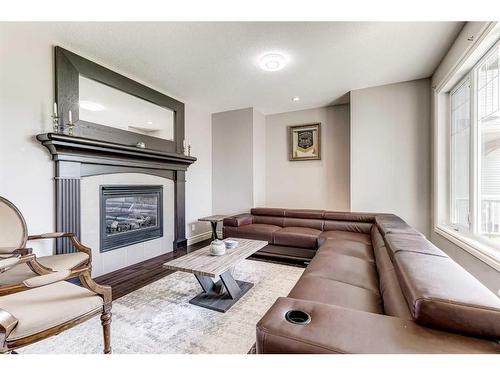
129,215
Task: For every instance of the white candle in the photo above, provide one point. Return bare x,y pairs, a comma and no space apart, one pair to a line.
70,117
55,109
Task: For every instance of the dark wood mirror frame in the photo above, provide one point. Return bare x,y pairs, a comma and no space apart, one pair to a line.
69,66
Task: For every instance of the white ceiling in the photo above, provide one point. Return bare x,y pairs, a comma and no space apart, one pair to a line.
215,64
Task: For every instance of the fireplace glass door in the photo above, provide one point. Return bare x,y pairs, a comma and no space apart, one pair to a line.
130,214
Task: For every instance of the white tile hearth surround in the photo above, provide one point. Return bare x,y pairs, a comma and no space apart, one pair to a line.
159,318
112,260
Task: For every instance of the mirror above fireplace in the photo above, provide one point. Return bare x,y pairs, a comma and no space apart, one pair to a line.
102,104
108,106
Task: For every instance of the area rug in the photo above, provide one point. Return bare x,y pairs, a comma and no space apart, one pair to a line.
158,318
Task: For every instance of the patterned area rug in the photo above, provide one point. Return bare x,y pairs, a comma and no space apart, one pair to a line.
159,318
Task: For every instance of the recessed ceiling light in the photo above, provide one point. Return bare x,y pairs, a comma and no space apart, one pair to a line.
150,122
295,99
91,106
272,61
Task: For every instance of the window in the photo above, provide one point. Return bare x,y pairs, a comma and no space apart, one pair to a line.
488,123
475,151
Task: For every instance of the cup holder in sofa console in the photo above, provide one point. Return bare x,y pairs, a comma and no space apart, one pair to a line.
298,317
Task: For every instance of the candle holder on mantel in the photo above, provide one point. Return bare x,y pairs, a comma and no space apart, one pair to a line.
71,127
55,124
189,150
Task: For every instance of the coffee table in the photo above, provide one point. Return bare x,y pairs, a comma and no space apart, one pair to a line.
223,294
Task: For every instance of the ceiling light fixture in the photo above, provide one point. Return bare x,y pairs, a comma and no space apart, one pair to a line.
91,106
295,99
272,62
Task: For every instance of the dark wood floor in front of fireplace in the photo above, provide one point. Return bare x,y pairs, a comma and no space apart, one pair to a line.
131,278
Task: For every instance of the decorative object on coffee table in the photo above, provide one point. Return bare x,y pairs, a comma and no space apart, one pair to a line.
214,219
223,294
217,247
304,142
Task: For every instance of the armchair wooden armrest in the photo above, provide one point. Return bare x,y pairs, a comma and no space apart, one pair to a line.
23,251
55,235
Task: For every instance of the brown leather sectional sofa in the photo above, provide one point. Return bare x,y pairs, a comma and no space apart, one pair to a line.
374,285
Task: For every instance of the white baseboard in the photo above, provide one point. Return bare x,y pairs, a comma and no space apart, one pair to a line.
199,237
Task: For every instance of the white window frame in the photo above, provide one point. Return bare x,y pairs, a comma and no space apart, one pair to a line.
469,239
464,81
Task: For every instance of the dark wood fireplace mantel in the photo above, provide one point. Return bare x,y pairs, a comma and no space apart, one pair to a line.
78,157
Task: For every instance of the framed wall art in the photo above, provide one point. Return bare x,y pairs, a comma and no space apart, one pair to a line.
304,142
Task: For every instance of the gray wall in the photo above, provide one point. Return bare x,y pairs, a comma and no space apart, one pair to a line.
322,184
232,162
390,151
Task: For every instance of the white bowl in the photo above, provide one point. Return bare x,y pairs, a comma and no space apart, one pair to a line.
231,244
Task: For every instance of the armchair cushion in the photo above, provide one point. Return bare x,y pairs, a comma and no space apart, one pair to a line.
49,306
21,272
6,250
63,261
8,262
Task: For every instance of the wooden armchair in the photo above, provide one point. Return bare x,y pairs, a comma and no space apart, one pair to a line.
13,238
38,303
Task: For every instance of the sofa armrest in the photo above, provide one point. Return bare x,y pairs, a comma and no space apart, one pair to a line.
334,329
238,220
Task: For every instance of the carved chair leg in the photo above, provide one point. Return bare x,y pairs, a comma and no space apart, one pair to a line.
106,330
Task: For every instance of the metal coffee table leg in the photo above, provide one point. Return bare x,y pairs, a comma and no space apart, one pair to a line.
223,294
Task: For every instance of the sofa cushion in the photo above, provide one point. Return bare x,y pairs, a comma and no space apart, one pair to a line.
394,302
252,231
238,220
348,247
297,236
349,216
305,214
408,242
334,292
262,211
347,226
271,220
344,268
388,223
305,223
442,295
341,235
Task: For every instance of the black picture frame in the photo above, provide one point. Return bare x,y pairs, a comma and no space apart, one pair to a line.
69,66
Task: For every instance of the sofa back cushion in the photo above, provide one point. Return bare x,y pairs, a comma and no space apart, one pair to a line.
440,293
305,223
349,216
347,226
393,300
272,220
316,219
388,223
